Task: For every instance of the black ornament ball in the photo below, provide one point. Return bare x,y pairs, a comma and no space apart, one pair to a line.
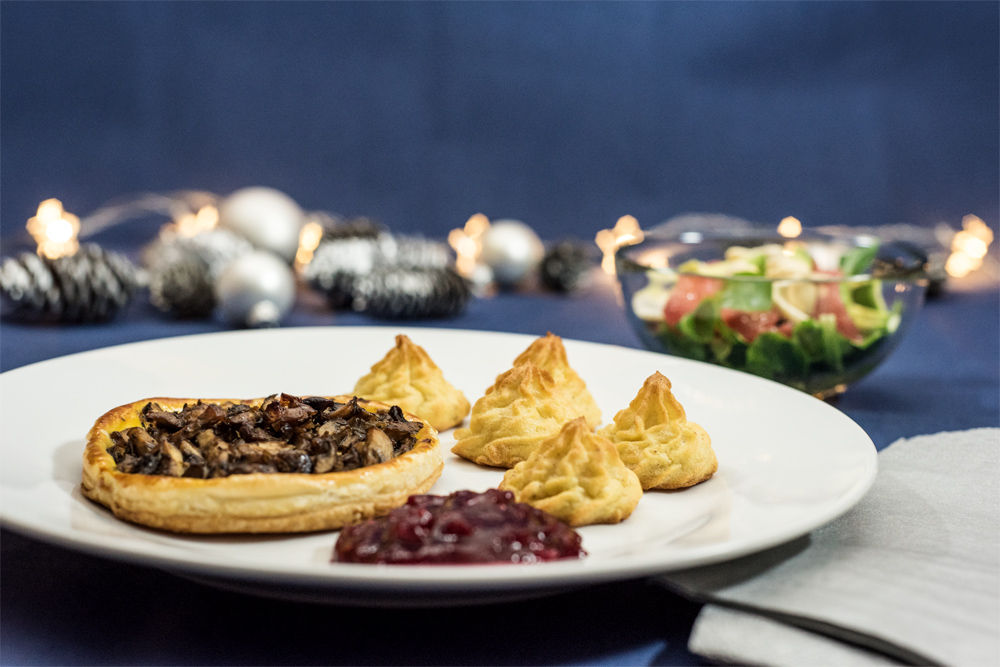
412,293
566,266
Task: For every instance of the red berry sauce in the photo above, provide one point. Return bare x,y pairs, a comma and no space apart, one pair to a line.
465,527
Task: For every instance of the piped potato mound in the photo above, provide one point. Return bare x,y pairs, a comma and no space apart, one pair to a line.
523,407
658,443
409,378
576,476
277,464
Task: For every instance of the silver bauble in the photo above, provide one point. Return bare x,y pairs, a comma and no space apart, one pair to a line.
256,290
513,250
268,218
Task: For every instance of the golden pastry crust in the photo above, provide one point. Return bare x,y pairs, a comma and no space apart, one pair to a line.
549,354
523,408
655,439
576,476
407,377
258,502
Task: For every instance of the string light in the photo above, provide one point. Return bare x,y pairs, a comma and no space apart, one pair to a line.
625,232
790,227
54,230
968,247
309,237
467,243
192,224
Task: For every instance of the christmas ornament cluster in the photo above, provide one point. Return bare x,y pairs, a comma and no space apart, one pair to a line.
248,263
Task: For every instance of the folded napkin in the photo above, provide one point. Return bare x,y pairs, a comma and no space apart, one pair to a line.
910,575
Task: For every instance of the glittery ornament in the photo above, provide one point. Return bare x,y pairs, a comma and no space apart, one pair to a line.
89,286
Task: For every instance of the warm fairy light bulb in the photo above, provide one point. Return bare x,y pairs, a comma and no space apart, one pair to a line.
54,230
309,237
625,232
975,226
192,224
968,247
467,243
207,217
969,244
790,227
477,225
959,264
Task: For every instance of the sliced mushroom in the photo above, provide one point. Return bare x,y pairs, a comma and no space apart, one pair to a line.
325,463
159,418
172,461
217,457
319,403
141,442
291,460
378,447
332,427
193,459
119,449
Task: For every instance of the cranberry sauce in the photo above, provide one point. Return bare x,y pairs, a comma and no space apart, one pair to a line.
465,527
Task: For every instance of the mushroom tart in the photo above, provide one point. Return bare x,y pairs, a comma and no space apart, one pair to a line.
270,465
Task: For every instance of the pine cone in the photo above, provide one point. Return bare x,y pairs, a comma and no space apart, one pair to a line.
183,287
414,252
404,294
566,267
217,247
353,228
89,286
337,265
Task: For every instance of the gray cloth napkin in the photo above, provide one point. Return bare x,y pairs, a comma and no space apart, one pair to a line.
910,575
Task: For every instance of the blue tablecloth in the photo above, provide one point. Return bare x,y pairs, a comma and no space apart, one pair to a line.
62,607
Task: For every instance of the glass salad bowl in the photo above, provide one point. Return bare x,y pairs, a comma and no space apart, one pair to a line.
816,312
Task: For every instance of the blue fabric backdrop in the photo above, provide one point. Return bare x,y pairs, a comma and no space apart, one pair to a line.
565,115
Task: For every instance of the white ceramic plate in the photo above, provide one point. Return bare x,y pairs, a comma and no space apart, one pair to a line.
788,463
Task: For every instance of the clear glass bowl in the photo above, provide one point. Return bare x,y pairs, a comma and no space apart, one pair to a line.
817,332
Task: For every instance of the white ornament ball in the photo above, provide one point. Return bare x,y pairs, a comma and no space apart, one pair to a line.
268,218
513,250
256,290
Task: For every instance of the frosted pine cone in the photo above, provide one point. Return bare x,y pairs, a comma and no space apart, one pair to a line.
89,286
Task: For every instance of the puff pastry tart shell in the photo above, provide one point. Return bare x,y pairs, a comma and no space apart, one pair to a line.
256,502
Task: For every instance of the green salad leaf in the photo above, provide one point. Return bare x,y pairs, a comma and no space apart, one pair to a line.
678,343
749,296
728,348
699,324
857,260
771,355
